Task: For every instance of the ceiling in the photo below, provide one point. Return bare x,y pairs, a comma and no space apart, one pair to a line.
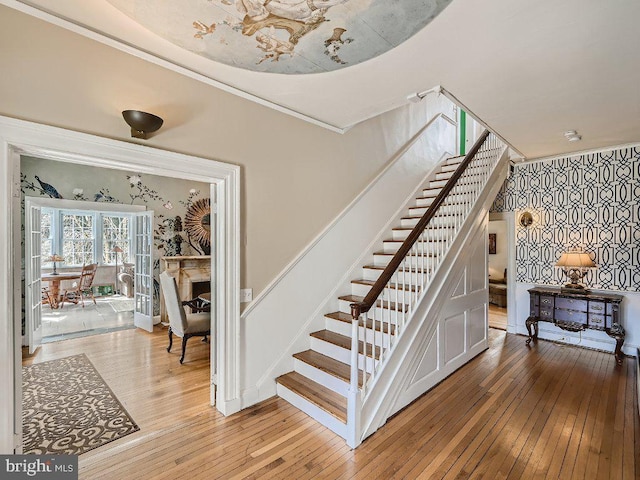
529,70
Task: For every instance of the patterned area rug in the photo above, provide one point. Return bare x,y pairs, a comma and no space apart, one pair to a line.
69,409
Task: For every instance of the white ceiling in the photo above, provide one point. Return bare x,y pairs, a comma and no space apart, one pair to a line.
531,70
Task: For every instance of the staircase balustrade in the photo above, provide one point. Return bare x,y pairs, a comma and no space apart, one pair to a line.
379,319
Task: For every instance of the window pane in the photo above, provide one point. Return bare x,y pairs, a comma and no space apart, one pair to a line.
77,239
115,233
45,228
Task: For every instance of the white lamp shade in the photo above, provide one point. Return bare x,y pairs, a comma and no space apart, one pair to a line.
575,260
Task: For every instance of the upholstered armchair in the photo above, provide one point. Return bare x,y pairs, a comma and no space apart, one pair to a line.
126,279
182,324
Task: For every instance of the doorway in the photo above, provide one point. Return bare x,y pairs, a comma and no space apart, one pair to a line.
18,138
501,270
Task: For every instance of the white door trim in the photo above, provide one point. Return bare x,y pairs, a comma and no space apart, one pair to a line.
509,217
18,138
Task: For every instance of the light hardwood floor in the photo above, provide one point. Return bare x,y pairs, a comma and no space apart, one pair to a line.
551,411
497,317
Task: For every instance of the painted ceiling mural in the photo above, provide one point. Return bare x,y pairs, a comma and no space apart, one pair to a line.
284,36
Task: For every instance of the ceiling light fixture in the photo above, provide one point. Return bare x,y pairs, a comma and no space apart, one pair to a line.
572,136
141,123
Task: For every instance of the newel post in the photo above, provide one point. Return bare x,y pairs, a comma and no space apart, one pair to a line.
354,399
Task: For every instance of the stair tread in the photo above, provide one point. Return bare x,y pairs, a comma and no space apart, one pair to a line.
346,318
328,365
342,341
331,402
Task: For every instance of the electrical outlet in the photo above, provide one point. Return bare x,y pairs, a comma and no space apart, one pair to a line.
246,295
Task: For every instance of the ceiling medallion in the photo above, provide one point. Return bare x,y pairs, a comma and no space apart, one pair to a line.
284,36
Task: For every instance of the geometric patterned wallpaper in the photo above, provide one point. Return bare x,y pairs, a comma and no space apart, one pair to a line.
591,202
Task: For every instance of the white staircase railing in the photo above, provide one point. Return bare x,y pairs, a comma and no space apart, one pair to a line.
380,318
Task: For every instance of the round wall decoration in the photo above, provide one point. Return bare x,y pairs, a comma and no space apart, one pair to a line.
284,36
197,223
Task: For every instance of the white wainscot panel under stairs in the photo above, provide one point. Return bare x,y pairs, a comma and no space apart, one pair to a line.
431,350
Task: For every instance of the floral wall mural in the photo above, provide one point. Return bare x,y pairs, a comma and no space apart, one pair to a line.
284,36
170,199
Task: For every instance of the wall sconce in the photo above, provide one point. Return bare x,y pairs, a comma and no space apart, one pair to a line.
141,123
575,263
526,219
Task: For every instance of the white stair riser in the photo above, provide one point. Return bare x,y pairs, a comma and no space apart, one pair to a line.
414,260
434,187
435,223
410,222
341,354
392,294
336,384
444,175
449,209
416,278
443,217
454,160
449,167
379,313
313,411
344,328
429,247
425,202
429,234
362,290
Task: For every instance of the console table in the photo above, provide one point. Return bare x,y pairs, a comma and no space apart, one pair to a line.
575,312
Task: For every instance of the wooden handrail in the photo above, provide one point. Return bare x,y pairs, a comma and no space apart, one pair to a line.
365,305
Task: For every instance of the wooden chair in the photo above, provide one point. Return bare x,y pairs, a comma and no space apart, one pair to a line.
46,297
82,287
182,324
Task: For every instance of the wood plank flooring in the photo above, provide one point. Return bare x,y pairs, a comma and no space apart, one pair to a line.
497,317
549,411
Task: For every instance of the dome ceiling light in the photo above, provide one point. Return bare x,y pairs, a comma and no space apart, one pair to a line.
284,36
572,136
142,123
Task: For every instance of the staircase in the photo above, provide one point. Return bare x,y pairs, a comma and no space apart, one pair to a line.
323,376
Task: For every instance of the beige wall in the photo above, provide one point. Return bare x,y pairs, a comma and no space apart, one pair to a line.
296,176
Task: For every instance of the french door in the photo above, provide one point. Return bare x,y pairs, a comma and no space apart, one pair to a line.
143,232
33,282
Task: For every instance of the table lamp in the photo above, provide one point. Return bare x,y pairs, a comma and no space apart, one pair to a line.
55,258
574,264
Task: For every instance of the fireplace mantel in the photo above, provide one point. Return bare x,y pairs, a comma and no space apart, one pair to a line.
191,274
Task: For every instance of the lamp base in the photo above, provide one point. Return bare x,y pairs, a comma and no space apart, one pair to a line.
574,288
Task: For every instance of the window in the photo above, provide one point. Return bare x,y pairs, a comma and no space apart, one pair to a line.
47,235
115,233
84,237
77,239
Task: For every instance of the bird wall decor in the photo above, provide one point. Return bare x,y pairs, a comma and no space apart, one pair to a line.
48,189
